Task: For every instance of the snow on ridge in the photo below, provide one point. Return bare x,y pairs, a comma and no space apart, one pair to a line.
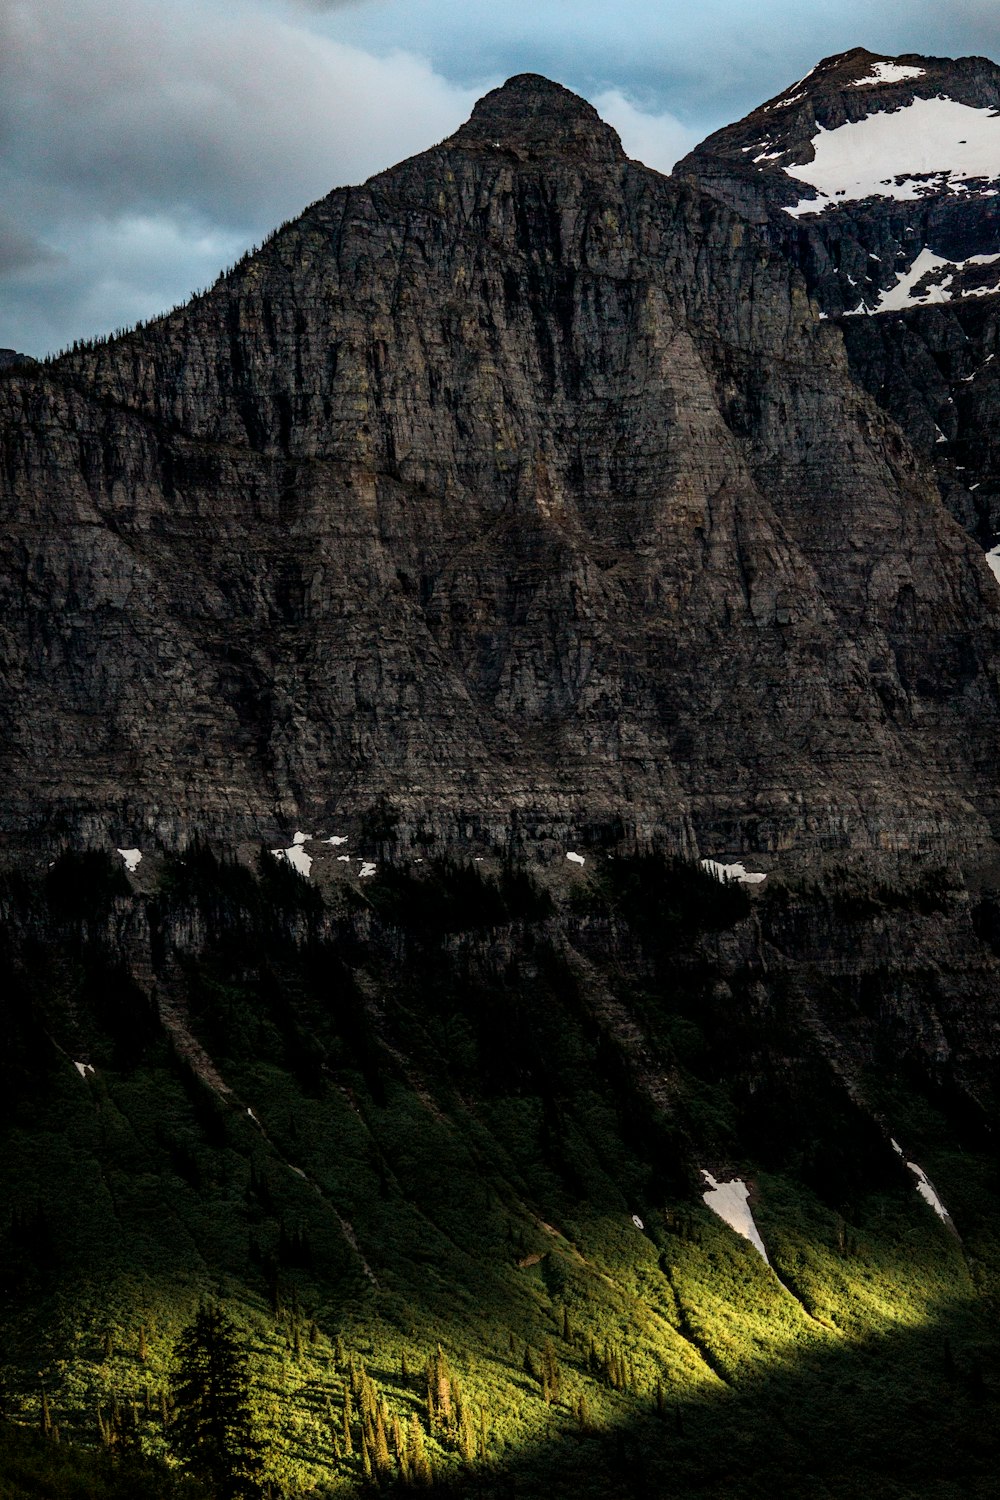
888,72
927,146
732,872
993,561
730,1200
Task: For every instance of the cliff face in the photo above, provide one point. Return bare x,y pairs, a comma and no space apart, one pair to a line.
878,178
519,490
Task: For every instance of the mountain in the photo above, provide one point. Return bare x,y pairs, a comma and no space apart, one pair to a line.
595,1091
878,178
518,493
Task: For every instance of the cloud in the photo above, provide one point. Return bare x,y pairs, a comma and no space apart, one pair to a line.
234,113
657,140
21,253
211,124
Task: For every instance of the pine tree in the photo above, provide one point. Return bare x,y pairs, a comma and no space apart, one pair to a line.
380,1446
466,1435
550,1372
419,1463
348,1440
213,1425
438,1391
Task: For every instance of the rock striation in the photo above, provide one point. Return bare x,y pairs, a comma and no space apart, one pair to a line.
518,492
905,245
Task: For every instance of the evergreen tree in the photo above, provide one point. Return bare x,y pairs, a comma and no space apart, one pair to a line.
550,1372
348,1414
213,1426
417,1460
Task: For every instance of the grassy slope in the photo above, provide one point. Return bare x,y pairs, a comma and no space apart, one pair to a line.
460,1097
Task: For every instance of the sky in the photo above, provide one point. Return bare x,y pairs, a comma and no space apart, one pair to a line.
145,144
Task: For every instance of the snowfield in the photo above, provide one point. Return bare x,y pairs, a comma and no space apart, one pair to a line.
730,1200
927,146
906,293
732,872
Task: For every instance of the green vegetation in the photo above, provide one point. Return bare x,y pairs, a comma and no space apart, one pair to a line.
347,1200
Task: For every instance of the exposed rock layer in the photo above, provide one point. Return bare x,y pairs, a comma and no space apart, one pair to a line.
520,490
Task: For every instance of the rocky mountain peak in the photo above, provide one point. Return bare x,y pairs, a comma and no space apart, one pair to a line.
895,161
860,124
534,117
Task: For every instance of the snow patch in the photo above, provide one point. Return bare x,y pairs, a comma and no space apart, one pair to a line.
730,1200
368,867
576,859
301,838
337,840
887,72
928,146
941,275
84,1069
924,1186
343,859
637,1222
131,858
731,872
296,856
993,559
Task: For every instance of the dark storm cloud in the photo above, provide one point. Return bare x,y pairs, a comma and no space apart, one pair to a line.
20,252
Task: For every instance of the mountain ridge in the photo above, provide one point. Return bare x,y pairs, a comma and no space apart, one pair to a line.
911,277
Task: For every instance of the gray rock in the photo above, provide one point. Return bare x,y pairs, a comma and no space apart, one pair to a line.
516,494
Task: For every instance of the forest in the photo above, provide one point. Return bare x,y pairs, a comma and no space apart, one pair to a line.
328,1188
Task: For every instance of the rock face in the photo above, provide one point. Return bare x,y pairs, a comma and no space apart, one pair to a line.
517,492
904,245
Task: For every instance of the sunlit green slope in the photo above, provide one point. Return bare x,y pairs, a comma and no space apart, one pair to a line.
434,1141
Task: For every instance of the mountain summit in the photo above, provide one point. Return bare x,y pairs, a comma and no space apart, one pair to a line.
879,178
535,117
860,126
